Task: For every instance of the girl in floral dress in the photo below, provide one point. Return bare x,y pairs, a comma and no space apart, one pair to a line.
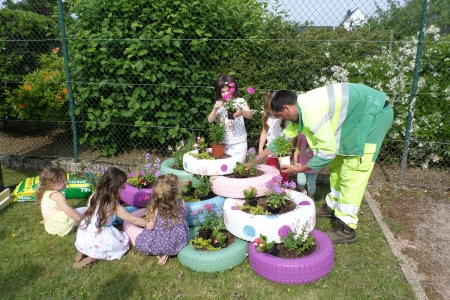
167,231
97,238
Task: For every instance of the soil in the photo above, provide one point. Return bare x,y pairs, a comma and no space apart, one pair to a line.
229,241
235,175
289,206
288,253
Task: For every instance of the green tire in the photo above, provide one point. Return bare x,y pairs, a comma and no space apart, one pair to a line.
166,168
214,261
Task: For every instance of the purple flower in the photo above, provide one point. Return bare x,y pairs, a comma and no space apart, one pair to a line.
158,173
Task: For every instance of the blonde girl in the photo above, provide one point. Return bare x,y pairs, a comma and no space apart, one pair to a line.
59,218
167,231
236,135
97,238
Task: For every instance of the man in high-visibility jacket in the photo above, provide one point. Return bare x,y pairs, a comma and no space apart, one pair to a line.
345,125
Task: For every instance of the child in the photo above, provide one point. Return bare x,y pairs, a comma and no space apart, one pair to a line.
59,218
301,158
236,135
167,231
97,238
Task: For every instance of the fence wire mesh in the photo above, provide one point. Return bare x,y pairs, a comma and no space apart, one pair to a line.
142,73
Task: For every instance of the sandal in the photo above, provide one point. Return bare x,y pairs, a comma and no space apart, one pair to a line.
84,262
162,259
80,256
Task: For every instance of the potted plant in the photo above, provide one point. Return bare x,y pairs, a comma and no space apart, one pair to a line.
283,148
250,195
248,169
276,194
262,245
212,223
216,135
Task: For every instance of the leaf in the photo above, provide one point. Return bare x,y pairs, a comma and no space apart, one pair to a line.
142,52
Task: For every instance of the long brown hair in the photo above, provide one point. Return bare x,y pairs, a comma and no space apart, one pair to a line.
105,197
166,192
47,179
267,108
225,80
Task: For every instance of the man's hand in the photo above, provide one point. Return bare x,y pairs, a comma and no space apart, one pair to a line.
289,169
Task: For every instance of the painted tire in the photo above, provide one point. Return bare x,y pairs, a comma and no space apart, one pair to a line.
131,195
195,206
233,187
132,230
212,167
248,227
166,168
301,270
214,261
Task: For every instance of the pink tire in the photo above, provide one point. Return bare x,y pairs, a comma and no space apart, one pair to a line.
132,230
248,227
212,167
131,195
295,270
233,187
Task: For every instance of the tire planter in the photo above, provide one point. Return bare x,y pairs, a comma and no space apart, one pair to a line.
248,227
233,187
214,261
131,195
132,230
212,167
218,202
166,168
301,270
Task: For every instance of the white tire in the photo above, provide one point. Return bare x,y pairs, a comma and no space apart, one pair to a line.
212,166
248,227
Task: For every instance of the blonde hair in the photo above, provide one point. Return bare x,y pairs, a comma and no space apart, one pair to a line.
166,191
267,109
47,179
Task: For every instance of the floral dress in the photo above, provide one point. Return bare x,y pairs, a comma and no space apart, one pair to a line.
109,244
162,240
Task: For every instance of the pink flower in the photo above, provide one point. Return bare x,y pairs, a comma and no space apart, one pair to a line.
198,138
193,213
231,90
251,90
231,84
195,145
216,241
226,96
169,148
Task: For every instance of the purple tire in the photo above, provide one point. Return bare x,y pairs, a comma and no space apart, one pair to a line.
131,195
295,270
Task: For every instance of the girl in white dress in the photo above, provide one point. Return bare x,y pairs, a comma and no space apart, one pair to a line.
272,126
97,238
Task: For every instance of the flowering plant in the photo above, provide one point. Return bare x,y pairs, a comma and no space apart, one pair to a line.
262,245
299,242
229,102
200,144
250,193
179,150
276,194
211,219
249,168
94,177
147,174
219,238
187,187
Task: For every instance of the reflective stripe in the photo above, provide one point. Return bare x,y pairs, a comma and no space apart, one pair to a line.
342,114
331,107
335,193
348,220
347,208
331,204
325,155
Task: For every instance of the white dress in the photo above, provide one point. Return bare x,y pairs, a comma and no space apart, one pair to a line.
109,244
274,128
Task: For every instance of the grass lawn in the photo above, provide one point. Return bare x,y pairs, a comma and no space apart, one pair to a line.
36,265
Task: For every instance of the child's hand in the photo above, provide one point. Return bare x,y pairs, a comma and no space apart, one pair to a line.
218,105
237,114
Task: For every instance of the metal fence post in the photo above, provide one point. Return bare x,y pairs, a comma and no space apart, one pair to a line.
68,80
412,98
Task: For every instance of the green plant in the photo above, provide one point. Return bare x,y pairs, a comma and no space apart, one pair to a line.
220,238
179,150
211,219
249,168
254,210
276,194
187,187
217,132
203,188
250,193
200,243
145,175
94,177
262,245
202,155
200,144
282,146
299,242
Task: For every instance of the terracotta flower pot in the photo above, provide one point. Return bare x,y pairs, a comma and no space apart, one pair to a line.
218,150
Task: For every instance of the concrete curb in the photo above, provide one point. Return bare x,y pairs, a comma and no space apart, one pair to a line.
406,267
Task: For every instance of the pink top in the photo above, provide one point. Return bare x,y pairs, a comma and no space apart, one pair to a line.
305,152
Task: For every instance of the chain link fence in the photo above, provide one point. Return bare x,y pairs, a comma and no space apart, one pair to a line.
111,81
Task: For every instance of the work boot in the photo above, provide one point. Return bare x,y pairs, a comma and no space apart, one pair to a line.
324,212
341,233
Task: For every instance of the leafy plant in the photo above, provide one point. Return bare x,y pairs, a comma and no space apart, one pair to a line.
299,242
145,175
200,144
217,132
211,219
262,245
202,155
219,238
250,193
254,210
247,169
179,150
187,187
203,188
94,177
282,146
276,194
200,243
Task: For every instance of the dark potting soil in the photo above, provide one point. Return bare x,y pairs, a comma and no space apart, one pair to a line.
230,240
289,206
233,175
288,253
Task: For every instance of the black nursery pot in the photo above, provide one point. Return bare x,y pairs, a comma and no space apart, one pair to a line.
252,202
273,210
204,234
230,116
274,251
